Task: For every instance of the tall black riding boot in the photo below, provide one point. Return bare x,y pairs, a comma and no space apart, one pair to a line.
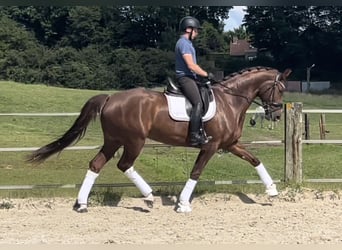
196,136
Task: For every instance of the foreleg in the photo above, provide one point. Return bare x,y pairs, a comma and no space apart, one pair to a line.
238,150
202,159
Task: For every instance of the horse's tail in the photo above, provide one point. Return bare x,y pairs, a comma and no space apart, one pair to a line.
88,113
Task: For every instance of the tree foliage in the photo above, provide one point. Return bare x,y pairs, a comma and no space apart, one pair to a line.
20,53
95,46
106,47
210,39
298,36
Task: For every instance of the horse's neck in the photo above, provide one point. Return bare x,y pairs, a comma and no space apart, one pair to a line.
250,85
245,88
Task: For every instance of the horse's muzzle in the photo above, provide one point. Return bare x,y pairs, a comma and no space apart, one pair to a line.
273,111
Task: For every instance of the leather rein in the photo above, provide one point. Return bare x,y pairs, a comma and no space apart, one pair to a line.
268,106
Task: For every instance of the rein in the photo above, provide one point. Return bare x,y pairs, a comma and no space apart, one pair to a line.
268,106
228,91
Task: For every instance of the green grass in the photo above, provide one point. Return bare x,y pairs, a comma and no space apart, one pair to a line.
162,164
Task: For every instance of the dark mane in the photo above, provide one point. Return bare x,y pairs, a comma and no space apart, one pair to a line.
239,73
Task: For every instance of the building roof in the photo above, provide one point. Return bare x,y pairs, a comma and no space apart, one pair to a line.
241,47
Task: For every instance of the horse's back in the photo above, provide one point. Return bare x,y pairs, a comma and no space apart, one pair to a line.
131,98
133,110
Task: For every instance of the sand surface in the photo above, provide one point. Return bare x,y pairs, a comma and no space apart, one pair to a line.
307,217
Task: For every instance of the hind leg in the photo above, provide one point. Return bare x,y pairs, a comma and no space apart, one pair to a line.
95,166
125,164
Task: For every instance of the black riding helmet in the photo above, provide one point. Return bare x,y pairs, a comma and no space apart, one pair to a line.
187,22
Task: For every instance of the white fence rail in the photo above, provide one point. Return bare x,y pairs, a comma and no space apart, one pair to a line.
312,111
300,141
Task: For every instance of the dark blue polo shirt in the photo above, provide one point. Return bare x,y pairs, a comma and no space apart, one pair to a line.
184,46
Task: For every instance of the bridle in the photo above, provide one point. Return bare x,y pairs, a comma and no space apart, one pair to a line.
270,106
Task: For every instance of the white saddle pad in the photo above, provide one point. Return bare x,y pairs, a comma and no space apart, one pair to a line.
177,108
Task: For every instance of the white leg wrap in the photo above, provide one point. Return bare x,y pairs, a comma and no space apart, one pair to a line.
185,195
264,176
271,188
87,184
139,182
184,198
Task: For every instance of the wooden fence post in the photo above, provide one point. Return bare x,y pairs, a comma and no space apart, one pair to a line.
322,127
293,142
307,126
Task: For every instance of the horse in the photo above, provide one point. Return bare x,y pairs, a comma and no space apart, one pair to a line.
131,116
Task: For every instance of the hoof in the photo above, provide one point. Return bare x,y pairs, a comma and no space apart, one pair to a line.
80,208
149,204
149,201
272,190
183,208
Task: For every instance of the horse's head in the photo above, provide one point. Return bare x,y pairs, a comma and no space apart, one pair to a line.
271,95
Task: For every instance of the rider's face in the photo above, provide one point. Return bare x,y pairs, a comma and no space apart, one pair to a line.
194,32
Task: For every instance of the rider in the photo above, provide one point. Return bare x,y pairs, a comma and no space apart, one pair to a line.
187,72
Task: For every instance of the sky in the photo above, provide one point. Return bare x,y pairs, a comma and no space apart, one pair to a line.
235,18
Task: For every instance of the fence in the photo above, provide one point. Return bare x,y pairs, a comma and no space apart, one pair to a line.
292,144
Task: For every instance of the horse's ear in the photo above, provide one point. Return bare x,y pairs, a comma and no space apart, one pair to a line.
286,73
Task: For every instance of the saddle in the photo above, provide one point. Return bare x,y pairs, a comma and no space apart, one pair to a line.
180,107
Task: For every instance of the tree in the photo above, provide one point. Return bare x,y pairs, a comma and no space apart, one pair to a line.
20,54
239,33
47,22
297,36
105,47
84,26
157,65
210,40
211,14
150,26
129,72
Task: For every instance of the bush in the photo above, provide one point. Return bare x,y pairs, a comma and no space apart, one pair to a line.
157,65
20,52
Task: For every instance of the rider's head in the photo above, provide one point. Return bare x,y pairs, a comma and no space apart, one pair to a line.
189,25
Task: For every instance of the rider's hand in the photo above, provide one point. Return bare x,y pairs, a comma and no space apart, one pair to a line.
211,76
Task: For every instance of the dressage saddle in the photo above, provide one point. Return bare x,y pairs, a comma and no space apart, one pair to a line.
204,88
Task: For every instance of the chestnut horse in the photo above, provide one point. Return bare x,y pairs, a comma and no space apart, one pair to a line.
129,117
